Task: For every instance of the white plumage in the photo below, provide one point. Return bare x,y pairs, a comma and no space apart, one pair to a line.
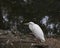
37,31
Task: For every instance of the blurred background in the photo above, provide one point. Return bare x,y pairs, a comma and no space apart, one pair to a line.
45,13
16,12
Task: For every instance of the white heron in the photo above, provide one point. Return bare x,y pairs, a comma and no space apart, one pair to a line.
36,30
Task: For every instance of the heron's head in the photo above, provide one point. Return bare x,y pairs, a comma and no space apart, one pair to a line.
29,23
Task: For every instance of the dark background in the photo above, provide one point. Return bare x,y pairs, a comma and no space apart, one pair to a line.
17,12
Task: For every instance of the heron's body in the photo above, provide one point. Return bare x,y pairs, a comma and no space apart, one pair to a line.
37,31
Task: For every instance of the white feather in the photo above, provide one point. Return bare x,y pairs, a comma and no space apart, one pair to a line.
37,31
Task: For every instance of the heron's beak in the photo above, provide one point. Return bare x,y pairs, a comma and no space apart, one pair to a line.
26,23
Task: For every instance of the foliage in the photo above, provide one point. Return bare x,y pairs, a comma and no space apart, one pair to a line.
28,10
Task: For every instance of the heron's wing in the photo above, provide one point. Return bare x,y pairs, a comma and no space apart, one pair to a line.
37,31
